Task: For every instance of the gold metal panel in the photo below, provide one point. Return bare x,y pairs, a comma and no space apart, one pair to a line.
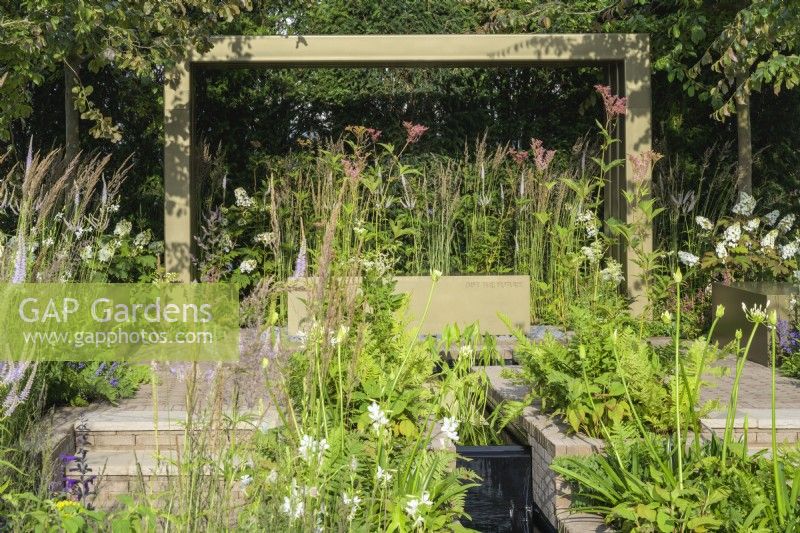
458,300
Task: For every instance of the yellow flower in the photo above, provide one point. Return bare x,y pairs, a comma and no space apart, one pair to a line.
67,506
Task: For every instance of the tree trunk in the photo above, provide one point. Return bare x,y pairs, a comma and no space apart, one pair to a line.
744,174
72,117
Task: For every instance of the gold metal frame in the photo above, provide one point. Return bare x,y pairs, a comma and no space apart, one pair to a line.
626,58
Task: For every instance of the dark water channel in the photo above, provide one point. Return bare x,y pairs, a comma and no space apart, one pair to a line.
504,500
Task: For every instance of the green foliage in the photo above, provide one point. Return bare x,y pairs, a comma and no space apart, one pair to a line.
39,37
606,347
82,383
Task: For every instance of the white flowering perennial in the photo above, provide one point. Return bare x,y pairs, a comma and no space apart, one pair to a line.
377,415
752,225
745,205
589,222
771,217
466,351
788,251
123,228
105,253
756,313
247,266
721,251
704,223
450,428
768,240
142,239
593,252
786,223
242,198
384,477
293,504
688,259
312,450
87,253
414,507
732,234
351,502
266,238
612,272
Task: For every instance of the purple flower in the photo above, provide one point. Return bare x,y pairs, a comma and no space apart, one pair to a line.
67,458
301,265
114,382
29,159
100,369
788,337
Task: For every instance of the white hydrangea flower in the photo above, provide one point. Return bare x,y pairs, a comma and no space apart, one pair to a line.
142,239
771,217
105,253
704,223
688,259
247,266
745,205
721,250
768,240
752,225
123,228
796,275
732,234
788,251
786,223
242,198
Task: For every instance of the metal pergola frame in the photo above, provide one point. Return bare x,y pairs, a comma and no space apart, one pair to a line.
626,58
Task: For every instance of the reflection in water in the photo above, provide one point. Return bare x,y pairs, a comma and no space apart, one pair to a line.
504,500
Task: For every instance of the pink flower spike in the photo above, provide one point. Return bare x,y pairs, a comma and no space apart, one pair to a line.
615,105
351,170
373,134
519,156
643,163
542,157
414,131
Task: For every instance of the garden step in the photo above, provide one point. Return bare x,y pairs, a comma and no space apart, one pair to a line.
130,473
759,425
137,430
